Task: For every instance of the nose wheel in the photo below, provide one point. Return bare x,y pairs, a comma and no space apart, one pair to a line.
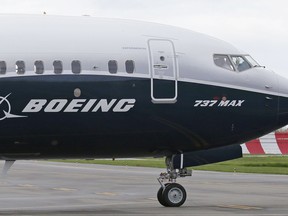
173,195
170,193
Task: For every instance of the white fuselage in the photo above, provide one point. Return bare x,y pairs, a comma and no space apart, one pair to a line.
96,41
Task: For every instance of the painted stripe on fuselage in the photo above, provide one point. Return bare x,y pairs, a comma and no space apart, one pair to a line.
146,129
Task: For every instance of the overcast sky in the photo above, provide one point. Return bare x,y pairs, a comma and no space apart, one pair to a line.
258,27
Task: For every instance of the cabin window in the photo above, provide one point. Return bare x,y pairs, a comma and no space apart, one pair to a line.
3,67
112,66
76,67
223,61
240,63
130,66
39,67
20,67
58,67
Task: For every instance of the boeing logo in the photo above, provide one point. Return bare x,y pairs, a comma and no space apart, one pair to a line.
67,106
6,109
76,105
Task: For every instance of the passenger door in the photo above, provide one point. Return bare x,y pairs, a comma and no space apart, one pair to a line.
163,70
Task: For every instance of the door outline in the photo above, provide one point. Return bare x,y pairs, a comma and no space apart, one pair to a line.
152,68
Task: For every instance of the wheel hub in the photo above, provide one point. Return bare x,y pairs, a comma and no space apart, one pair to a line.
175,195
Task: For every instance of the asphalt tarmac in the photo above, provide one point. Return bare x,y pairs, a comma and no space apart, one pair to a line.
48,188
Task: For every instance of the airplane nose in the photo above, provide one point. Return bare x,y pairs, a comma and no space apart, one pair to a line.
283,101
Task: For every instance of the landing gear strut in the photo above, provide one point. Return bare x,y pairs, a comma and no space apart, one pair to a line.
170,193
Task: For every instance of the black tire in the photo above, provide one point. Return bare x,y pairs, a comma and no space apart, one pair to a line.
174,195
160,196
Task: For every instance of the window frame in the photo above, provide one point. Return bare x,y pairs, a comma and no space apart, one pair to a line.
37,67
56,69
19,69
237,66
115,69
133,66
251,60
4,66
73,67
229,59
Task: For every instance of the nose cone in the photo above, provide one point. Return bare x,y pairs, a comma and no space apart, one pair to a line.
283,101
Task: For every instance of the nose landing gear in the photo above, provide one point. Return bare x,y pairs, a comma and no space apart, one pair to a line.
170,193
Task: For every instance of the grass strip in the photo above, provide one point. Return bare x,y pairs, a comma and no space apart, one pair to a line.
247,164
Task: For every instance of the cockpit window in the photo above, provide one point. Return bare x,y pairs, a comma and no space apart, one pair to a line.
223,61
252,61
235,62
240,63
